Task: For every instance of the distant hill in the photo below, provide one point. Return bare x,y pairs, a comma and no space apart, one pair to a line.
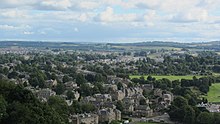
213,45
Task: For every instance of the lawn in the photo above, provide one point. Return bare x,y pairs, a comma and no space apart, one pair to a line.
214,93
170,77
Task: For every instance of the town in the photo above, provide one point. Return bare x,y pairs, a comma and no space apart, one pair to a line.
110,87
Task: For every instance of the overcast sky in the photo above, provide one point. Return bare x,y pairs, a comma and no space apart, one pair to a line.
110,20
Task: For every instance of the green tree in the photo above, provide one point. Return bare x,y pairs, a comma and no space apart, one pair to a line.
120,86
3,106
88,107
180,101
80,79
66,78
59,88
70,95
60,106
189,115
120,106
216,117
205,118
115,122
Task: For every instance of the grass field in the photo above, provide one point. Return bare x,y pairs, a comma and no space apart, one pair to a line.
149,123
170,77
214,93
146,123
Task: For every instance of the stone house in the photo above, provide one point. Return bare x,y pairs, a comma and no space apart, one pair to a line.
147,87
129,104
71,85
110,87
142,111
118,95
108,115
51,83
44,94
103,97
84,119
168,98
132,91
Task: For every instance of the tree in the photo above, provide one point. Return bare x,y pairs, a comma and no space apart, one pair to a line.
120,86
120,106
176,113
216,68
143,102
177,109
115,122
180,101
59,88
98,77
85,90
90,77
70,95
66,78
13,74
75,107
189,115
60,106
80,79
22,107
205,118
216,117
3,106
150,78
88,107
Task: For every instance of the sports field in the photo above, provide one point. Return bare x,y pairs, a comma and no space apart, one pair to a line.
170,77
214,93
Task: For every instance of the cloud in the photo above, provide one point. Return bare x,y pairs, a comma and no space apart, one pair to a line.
28,33
168,19
14,13
88,5
109,16
12,27
193,15
7,27
16,3
54,4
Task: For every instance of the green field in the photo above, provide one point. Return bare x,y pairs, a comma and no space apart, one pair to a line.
146,123
214,93
149,123
170,77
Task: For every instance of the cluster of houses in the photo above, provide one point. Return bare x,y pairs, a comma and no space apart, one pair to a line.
134,102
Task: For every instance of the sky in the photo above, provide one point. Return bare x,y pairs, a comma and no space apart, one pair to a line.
110,20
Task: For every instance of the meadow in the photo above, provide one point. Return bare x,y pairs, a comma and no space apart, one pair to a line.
214,93
170,77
